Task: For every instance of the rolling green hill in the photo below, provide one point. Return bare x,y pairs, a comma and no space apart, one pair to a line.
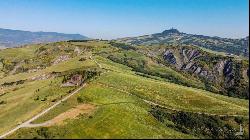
130,92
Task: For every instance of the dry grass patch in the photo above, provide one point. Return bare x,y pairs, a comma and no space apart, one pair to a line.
85,109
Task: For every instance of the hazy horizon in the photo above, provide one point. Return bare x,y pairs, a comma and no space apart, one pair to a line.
111,19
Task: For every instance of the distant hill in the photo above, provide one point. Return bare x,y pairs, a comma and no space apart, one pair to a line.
13,38
173,36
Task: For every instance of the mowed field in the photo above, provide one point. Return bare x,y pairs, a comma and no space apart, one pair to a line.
120,108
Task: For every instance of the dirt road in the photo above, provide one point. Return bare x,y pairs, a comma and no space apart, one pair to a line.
28,122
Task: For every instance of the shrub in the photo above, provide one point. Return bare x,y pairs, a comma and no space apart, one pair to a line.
2,102
80,100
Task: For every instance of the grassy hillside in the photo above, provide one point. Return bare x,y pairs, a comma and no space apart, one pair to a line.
119,103
24,101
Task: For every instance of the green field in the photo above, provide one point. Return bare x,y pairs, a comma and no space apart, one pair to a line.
117,116
23,102
122,100
18,53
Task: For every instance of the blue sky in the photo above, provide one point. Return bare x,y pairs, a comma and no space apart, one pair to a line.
109,19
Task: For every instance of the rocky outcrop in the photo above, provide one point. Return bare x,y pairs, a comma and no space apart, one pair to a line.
183,59
189,54
169,56
228,68
61,59
35,69
77,50
228,73
222,72
75,80
189,62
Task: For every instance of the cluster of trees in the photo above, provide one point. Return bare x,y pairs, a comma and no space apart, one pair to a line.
7,65
122,45
2,102
13,83
83,99
82,59
201,125
86,74
78,40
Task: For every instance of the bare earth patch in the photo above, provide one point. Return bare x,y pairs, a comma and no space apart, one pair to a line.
73,113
